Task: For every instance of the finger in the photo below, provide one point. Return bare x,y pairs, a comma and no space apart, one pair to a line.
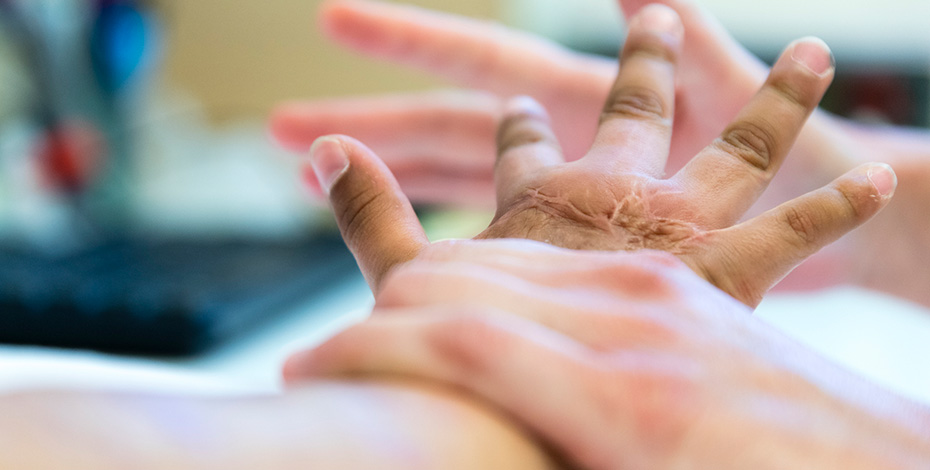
429,183
469,52
478,54
751,257
454,129
375,218
519,366
636,123
717,78
728,176
593,306
525,145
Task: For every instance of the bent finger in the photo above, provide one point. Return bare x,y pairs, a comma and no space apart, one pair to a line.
748,259
375,218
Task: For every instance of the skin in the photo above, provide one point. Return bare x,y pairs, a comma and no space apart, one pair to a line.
718,77
436,428
615,197
345,425
622,360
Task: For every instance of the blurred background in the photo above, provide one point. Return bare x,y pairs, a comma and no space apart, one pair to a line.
167,99
136,165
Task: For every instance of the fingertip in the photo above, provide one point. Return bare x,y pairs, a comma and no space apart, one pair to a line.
290,128
868,188
658,20
330,160
883,178
347,22
524,106
295,368
813,54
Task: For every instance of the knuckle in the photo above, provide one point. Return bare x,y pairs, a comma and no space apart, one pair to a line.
853,203
358,210
635,103
658,396
647,280
792,93
519,131
471,342
802,224
653,48
752,142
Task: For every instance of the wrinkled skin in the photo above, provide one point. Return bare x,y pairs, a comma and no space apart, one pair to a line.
616,197
621,361
718,77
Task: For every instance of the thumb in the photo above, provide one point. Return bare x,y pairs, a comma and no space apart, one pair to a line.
375,217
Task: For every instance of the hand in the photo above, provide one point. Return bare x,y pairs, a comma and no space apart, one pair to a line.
614,197
718,77
621,361
411,131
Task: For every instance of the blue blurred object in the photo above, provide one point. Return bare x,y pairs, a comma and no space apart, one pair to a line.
119,42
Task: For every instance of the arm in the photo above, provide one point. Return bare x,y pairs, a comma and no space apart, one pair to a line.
343,425
624,361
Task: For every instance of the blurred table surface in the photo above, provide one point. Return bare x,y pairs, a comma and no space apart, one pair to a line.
884,339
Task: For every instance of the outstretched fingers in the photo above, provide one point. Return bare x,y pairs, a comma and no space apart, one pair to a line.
375,218
636,123
729,175
748,259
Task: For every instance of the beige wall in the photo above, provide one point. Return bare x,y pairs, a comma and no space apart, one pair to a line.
239,57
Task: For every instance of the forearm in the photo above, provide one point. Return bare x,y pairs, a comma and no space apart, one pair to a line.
325,425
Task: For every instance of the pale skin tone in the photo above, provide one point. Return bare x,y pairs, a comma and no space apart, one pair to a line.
621,360
717,79
615,197
635,366
325,425
437,429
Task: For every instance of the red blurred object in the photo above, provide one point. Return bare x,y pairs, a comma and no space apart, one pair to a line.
70,154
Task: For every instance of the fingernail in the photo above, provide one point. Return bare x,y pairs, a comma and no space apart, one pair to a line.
524,105
659,19
329,161
883,179
813,54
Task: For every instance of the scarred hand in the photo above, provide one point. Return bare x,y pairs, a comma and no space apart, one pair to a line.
615,198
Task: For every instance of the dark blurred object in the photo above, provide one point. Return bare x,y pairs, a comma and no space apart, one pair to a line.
75,281
881,97
161,297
